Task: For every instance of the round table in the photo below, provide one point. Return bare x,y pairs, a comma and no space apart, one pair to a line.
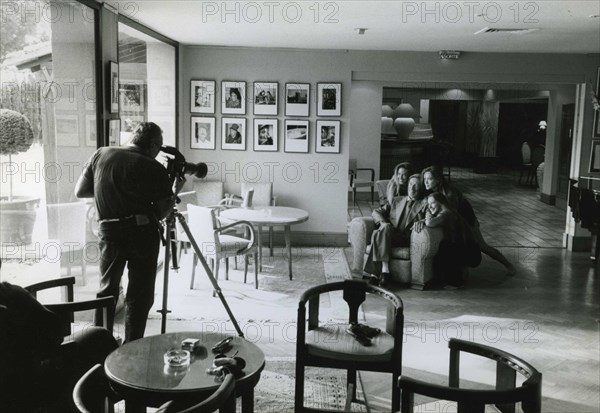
138,372
269,216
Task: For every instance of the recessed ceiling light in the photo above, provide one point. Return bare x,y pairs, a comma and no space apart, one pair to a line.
361,30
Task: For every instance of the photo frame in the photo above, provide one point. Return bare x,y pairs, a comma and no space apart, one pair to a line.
296,136
233,97
327,139
114,86
297,99
595,157
67,130
91,136
329,99
266,98
266,135
597,111
202,133
233,134
202,96
132,96
114,132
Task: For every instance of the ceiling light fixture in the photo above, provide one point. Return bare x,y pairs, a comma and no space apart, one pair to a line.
449,54
361,30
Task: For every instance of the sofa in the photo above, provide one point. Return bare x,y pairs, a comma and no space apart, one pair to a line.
411,266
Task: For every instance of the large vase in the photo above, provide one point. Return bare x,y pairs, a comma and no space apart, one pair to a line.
404,127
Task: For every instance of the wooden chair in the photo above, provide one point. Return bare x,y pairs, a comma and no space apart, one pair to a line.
330,346
208,233
92,392
504,396
66,310
357,181
223,399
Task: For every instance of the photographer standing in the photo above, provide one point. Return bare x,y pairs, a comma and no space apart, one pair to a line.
132,193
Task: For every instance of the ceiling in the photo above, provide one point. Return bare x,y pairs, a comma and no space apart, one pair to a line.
560,26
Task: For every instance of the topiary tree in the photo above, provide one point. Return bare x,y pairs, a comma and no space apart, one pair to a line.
16,136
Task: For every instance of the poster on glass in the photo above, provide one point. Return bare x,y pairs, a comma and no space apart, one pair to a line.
203,94
91,137
265,135
114,129
67,130
328,136
296,136
297,99
114,87
265,98
203,133
329,99
132,96
233,97
233,134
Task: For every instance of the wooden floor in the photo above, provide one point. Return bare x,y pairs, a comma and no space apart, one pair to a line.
548,313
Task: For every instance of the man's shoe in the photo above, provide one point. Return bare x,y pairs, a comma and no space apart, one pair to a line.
384,279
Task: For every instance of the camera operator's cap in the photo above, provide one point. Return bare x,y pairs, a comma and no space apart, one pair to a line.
234,126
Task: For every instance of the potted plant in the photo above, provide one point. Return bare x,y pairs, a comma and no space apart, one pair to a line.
17,213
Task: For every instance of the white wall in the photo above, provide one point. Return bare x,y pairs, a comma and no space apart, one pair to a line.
316,182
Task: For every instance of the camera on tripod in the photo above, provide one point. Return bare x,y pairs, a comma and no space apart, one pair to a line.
177,166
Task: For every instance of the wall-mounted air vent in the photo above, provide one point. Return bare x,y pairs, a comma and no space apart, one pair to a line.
498,30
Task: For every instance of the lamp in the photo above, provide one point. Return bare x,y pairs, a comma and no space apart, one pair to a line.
404,122
387,121
542,125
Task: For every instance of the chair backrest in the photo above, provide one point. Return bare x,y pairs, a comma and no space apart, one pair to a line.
67,223
66,311
221,397
202,223
208,192
263,192
381,187
352,165
92,392
538,153
525,153
505,394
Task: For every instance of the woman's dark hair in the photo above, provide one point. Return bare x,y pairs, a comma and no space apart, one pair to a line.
145,133
406,165
441,198
236,92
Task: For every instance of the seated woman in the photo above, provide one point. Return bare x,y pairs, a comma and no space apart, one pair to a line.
398,184
433,180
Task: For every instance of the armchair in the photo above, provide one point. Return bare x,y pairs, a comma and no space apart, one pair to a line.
412,265
360,182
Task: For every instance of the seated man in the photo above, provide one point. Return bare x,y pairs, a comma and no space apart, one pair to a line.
395,223
32,370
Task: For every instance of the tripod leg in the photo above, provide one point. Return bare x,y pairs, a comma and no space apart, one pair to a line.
194,263
255,271
245,267
216,272
209,273
227,269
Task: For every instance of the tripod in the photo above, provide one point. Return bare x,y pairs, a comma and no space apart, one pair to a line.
171,252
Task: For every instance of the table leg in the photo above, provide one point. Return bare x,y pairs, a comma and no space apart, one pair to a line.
288,247
248,401
259,241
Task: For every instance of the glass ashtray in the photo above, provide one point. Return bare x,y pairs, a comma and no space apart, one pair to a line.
177,358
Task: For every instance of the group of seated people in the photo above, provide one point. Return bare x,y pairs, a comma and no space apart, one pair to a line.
426,199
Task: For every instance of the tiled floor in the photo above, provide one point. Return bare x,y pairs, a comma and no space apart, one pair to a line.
510,215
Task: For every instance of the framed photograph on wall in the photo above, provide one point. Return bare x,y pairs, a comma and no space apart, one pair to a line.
329,99
297,99
595,157
296,136
328,135
114,132
233,97
202,95
91,137
132,96
67,130
233,134
265,135
597,108
202,133
266,98
114,87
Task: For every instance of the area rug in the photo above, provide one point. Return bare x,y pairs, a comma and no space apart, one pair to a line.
323,388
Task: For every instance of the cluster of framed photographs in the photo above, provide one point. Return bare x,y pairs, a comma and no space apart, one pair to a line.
265,98
296,134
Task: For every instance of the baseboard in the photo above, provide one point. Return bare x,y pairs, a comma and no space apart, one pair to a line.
576,244
308,238
548,199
